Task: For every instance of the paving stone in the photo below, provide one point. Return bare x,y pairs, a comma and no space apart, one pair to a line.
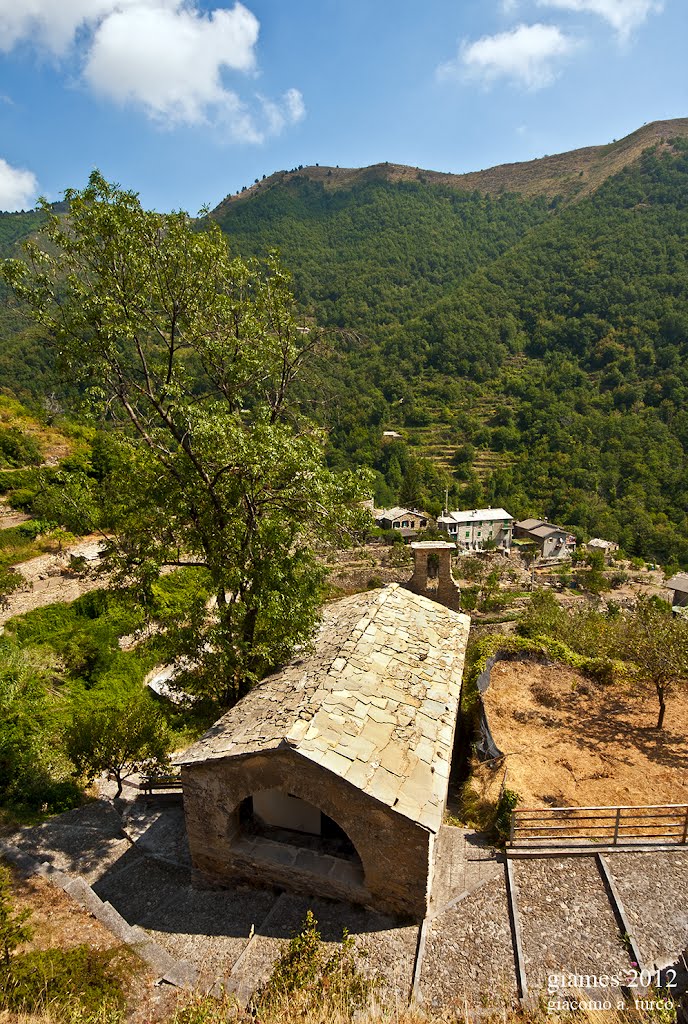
136,888
209,928
567,921
469,959
654,891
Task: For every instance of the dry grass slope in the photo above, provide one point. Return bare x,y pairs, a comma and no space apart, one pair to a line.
572,175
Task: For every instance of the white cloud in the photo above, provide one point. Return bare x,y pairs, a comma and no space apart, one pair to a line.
527,55
290,109
623,15
166,57
170,62
53,24
17,187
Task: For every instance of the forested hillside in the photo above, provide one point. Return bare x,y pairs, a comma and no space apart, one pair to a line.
529,346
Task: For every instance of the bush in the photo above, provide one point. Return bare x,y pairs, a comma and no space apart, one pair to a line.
507,801
308,977
18,449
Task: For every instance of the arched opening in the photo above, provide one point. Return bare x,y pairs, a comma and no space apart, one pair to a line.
287,819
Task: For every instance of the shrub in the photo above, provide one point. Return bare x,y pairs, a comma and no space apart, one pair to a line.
507,801
35,527
308,977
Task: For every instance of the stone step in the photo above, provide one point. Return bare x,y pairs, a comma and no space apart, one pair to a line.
387,946
469,958
567,921
654,890
463,861
78,850
209,928
137,885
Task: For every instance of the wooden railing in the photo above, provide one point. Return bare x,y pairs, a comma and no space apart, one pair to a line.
611,826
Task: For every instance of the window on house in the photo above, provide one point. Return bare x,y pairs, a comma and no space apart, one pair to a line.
396,526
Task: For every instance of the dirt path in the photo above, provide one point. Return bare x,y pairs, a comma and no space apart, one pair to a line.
46,581
10,517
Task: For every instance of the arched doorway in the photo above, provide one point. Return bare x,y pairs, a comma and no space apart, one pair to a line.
285,818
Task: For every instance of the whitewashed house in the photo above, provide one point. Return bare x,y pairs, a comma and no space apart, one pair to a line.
474,528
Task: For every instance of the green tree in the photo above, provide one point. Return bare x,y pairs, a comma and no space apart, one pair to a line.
125,738
33,768
10,582
657,642
13,927
196,353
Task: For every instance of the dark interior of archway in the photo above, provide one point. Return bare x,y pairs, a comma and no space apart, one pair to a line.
333,840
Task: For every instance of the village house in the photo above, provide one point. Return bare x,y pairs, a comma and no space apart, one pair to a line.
607,547
679,585
331,776
472,530
553,541
407,521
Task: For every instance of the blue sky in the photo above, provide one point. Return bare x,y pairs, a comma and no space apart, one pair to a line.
185,101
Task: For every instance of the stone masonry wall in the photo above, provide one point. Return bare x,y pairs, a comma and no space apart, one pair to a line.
394,851
447,591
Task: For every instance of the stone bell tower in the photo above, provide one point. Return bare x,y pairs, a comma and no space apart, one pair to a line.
432,575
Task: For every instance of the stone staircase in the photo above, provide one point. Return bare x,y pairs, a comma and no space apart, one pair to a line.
133,874
578,914
581,915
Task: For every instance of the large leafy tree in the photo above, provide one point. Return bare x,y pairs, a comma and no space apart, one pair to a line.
195,353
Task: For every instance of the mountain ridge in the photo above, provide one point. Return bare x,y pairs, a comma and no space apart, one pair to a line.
573,174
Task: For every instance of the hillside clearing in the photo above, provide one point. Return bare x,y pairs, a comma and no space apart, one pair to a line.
570,741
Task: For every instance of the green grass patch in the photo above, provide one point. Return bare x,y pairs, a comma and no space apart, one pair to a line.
60,978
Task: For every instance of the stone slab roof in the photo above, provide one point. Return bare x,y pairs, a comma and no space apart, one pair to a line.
374,703
399,513
679,583
530,524
476,515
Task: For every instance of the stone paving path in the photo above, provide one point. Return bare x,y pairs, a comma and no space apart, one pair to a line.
469,958
654,891
567,920
137,863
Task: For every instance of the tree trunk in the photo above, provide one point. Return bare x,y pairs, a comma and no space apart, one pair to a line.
662,705
118,780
